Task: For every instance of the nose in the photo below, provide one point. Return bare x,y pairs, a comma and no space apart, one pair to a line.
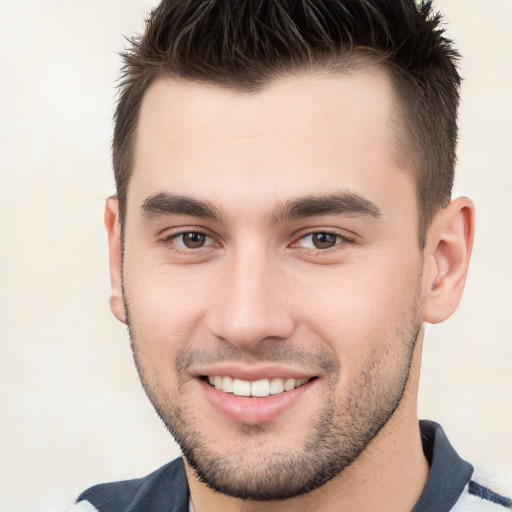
251,305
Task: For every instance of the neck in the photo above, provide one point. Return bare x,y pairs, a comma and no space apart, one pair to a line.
390,474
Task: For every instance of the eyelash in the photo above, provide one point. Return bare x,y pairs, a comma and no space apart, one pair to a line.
339,240
182,248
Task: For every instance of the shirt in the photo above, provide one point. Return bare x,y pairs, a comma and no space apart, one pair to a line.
449,488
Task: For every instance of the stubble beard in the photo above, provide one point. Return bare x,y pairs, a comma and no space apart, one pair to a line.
340,432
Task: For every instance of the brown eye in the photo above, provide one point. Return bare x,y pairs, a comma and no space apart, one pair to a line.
324,240
320,240
193,240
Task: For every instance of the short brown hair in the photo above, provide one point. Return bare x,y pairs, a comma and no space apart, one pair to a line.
244,44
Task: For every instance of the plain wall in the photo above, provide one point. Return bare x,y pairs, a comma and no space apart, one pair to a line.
73,411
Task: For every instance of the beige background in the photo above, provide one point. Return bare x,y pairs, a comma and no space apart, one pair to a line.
72,410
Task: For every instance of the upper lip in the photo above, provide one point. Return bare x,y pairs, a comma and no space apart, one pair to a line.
252,374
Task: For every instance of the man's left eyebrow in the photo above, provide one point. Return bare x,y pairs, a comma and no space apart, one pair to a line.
344,203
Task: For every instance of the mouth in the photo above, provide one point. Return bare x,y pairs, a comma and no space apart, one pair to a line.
254,399
258,389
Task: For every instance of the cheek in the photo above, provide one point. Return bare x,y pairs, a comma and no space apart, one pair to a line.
163,308
356,306
166,308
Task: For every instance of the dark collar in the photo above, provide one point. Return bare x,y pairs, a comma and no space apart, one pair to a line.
448,475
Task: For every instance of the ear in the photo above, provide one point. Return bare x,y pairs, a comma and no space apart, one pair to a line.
447,255
113,225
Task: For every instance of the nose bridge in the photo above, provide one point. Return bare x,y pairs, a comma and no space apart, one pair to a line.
251,306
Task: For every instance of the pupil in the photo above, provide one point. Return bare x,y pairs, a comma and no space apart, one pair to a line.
194,240
323,240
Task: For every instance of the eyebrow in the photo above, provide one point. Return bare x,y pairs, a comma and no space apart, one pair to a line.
167,204
343,203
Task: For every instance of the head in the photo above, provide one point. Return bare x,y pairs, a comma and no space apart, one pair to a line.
246,45
284,172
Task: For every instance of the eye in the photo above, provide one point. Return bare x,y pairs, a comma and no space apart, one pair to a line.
320,240
191,240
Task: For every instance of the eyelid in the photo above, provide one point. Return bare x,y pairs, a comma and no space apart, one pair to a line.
344,238
170,236
338,240
207,240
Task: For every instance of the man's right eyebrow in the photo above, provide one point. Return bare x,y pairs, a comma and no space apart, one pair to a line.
163,204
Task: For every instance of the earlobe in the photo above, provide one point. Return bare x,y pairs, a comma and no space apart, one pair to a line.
113,225
447,256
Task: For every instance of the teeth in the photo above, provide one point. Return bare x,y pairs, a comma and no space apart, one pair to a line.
241,387
276,386
259,388
289,384
227,384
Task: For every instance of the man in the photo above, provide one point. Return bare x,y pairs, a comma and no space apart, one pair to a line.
281,233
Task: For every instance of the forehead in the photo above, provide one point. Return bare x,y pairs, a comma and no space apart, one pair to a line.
300,134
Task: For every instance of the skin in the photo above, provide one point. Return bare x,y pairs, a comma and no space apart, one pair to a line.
258,296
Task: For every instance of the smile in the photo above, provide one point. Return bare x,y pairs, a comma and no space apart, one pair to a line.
259,388
244,396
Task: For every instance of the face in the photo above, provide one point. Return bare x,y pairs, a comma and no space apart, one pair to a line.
272,275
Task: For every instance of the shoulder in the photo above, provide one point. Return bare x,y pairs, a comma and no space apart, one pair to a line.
164,489
485,492
453,484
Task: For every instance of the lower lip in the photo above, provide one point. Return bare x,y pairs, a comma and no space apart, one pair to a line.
253,410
